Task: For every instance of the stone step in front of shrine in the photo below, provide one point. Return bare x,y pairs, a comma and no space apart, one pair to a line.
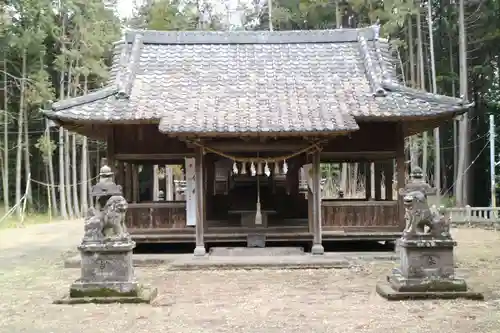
305,259
256,251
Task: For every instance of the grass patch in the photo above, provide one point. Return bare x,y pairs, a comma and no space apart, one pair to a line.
30,218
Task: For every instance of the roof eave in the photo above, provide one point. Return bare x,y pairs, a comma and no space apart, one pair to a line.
259,133
392,86
452,113
85,99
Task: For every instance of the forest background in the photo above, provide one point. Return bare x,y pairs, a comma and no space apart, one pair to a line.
52,50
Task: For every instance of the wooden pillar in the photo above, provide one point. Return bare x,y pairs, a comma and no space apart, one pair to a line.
135,183
120,173
210,186
127,183
378,181
388,175
317,247
368,181
110,148
200,215
400,171
310,214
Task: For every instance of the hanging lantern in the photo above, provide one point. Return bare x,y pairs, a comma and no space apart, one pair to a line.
252,169
243,170
285,168
259,168
235,168
267,172
276,168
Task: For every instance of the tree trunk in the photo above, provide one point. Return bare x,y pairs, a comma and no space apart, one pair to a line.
74,163
62,184
27,159
5,169
67,160
437,145
421,80
20,128
67,174
413,141
84,165
52,182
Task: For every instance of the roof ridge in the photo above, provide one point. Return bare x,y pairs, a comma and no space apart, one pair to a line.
126,82
250,37
376,85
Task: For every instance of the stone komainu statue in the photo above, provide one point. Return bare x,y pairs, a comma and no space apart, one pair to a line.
113,216
107,219
93,225
109,222
420,219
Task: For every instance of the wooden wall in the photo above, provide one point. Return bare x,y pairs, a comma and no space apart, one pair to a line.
359,214
146,139
373,136
156,215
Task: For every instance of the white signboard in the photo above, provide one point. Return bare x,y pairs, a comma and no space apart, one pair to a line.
190,193
306,169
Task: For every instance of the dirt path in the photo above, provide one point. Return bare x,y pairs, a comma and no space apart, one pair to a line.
344,301
39,243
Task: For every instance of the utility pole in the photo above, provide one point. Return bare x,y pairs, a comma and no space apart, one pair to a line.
492,161
461,184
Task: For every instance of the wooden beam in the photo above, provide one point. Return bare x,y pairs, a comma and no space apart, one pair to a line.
360,156
139,157
235,146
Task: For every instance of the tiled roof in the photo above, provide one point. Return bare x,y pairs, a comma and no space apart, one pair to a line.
252,82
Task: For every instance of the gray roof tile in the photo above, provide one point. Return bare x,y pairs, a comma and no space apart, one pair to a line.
250,82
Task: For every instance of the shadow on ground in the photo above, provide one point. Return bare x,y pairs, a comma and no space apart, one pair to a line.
337,246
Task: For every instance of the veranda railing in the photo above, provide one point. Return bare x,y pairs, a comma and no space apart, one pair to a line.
474,215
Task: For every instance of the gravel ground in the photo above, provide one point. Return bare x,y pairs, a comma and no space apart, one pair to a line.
31,277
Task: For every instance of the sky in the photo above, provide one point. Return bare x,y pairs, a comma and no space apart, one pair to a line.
125,8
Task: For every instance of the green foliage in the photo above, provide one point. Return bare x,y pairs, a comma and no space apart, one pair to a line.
68,40
67,44
166,15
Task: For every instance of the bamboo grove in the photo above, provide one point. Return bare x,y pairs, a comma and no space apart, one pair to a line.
52,50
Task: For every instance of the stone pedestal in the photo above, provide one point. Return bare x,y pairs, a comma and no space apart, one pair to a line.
107,275
107,270
426,270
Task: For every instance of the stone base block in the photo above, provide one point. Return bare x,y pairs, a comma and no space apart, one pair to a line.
143,295
385,290
104,289
401,284
256,240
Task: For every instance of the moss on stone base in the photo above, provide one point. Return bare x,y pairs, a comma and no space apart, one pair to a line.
144,296
387,292
102,292
426,285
